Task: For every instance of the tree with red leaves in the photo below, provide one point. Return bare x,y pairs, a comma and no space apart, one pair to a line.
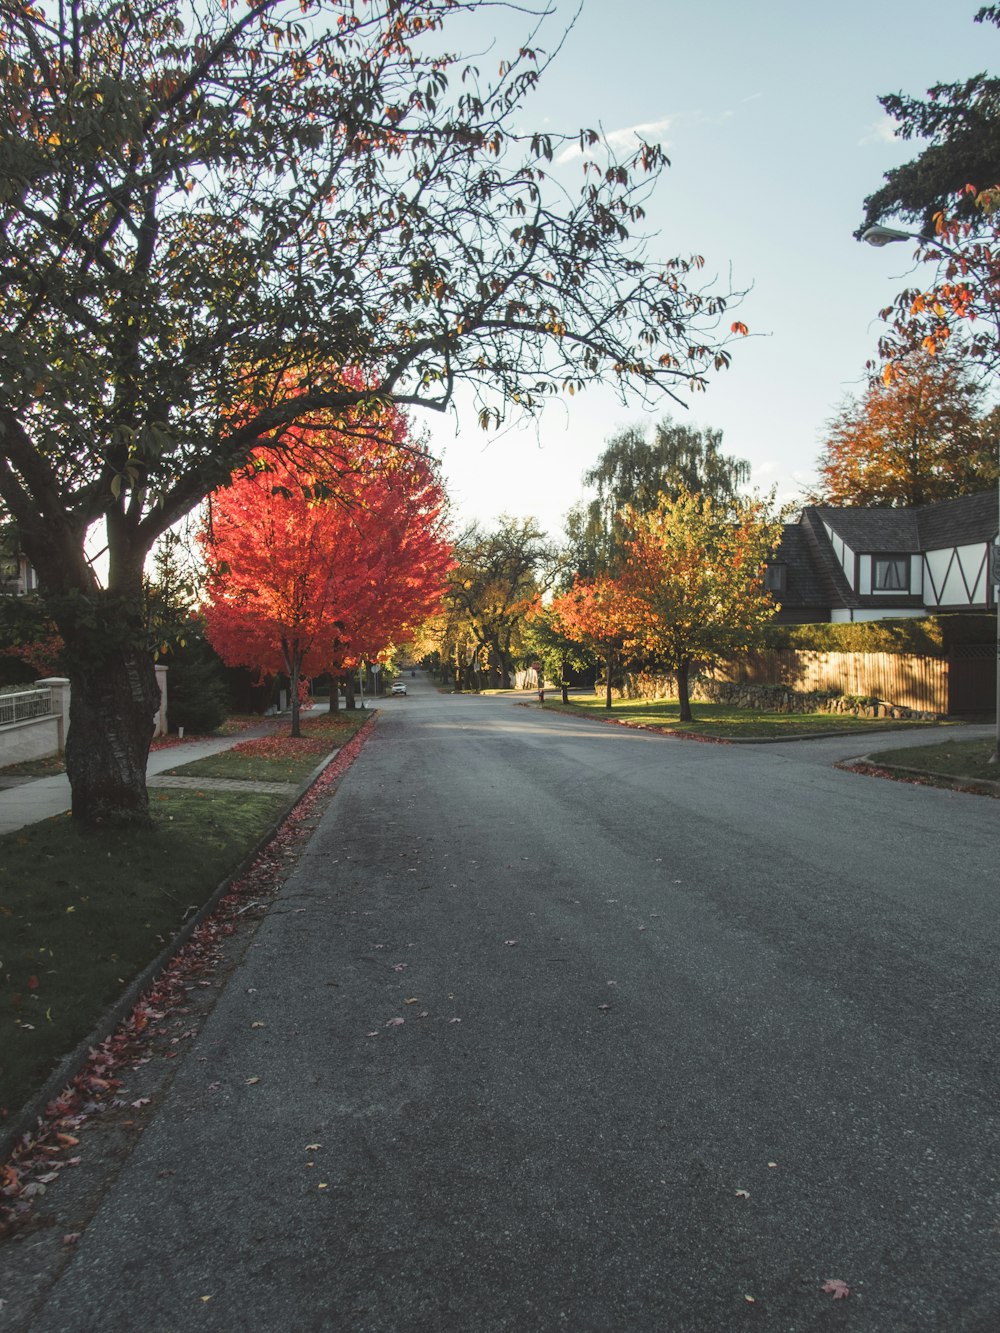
962,305
303,561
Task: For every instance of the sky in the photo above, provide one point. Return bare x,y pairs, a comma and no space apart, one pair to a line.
769,114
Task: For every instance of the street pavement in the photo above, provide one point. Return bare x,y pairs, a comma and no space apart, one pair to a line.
562,1026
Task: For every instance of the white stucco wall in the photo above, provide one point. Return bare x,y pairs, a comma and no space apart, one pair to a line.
843,616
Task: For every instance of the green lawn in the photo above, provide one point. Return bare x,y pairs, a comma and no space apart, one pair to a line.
83,912
718,721
957,759
279,758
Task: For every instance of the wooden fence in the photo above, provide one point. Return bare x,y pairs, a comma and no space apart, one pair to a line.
904,680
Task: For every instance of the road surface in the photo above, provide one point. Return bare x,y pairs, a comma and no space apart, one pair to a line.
689,1031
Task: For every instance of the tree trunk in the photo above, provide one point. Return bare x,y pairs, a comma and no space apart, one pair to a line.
334,693
292,653
608,663
683,691
349,701
113,702
294,689
563,682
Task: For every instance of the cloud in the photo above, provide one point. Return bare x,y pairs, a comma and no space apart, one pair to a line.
880,131
651,131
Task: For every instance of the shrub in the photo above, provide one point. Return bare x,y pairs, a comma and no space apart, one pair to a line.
197,695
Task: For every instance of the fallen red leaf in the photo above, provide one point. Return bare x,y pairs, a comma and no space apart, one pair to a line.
836,1288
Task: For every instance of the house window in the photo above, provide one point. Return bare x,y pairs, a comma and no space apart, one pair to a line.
775,577
891,573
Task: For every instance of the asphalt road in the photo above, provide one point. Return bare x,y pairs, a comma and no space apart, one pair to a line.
689,1030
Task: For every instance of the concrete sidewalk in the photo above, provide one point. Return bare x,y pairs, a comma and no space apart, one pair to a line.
39,799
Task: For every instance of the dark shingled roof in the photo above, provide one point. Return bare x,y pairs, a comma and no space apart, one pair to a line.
815,580
873,529
958,522
814,577
970,518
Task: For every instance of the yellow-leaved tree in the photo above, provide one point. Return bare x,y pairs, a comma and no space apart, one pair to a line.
692,588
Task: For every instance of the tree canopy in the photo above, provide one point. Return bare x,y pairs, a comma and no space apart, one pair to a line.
692,586
296,571
590,613
916,437
218,221
961,121
634,471
491,591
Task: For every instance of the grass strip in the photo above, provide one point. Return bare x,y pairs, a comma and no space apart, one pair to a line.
956,759
720,721
278,758
82,912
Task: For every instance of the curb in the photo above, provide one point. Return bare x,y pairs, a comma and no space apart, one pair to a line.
948,781
26,1120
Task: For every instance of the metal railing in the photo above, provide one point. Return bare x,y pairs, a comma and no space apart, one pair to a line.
23,705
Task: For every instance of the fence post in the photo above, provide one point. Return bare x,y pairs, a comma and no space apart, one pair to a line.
59,686
161,715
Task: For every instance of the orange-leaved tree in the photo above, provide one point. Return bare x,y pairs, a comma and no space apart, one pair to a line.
311,571
692,587
590,613
915,437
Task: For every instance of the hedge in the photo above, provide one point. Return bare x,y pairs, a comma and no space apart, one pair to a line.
929,637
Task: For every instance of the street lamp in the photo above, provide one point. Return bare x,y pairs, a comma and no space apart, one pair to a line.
878,236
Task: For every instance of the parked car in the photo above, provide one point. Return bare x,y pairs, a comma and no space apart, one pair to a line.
398,687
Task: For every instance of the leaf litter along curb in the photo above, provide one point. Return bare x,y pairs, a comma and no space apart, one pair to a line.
93,1090
912,777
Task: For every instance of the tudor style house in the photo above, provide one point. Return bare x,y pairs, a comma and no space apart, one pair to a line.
872,564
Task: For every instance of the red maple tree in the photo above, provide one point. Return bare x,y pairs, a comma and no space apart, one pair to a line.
313,570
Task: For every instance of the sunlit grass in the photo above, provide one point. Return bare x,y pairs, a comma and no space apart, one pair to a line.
958,759
720,721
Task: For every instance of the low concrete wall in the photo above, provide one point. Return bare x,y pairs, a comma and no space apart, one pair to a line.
41,737
37,738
